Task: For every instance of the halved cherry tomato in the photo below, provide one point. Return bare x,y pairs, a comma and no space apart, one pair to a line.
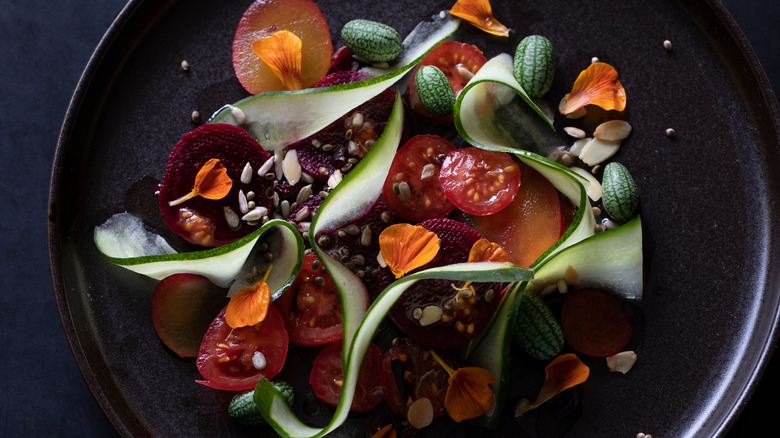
458,61
479,181
232,359
530,224
412,189
327,378
311,308
183,306
261,20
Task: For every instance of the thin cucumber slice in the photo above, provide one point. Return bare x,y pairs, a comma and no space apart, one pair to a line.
611,260
493,111
277,119
355,194
272,403
221,265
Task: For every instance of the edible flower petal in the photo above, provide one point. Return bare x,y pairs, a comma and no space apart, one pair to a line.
469,394
282,52
385,432
211,182
249,305
484,250
405,247
480,14
562,373
596,85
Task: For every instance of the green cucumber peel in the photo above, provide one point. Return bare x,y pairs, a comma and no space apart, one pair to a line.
355,194
279,118
222,265
272,403
494,111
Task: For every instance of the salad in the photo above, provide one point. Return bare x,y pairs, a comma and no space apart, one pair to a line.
399,209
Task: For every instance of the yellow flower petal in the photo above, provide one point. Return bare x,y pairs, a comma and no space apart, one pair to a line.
484,250
282,52
405,247
211,182
596,85
248,306
480,14
562,373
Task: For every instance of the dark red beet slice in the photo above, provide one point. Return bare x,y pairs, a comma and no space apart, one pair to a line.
593,323
343,143
464,313
341,60
356,244
183,306
203,221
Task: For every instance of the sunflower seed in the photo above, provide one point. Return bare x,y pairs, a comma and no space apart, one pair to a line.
246,174
357,120
306,177
238,114
278,159
365,236
255,214
302,214
427,171
266,167
353,148
404,191
291,167
334,179
304,194
231,217
243,205
285,207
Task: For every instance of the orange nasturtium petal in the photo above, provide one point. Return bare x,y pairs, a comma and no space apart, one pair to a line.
596,85
211,182
405,247
385,432
562,373
282,52
249,306
469,394
484,250
480,14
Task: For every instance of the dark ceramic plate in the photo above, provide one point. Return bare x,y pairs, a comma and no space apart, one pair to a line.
708,202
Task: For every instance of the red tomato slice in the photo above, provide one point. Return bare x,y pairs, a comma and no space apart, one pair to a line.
412,189
261,20
227,355
479,181
458,61
311,307
593,323
183,306
530,224
327,378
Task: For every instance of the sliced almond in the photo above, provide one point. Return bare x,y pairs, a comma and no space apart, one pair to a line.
420,413
574,132
622,362
598,150
576,148
594,188
613,130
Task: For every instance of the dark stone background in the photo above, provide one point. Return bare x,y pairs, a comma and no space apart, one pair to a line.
44,47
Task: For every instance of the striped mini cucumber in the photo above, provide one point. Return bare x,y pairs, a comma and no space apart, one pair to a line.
243,409
434,90
372,41
619,193
536,329
534,65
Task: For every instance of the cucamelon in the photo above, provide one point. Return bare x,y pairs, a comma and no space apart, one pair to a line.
434,90
619,192
534,65
536,330
372,41
243,410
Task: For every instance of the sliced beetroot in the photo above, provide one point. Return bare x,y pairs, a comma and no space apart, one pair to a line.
356,244
341,60
464,312
594,323
343,143
204,221
183,306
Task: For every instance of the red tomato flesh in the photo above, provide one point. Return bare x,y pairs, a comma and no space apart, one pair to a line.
479,181
311,307
593,323
261,20
327,378
183,306
226,354
458,62
529,225
412,189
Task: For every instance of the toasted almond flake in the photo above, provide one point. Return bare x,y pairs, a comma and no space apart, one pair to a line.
594,188
291,167
578,145
621,362
246,174
574,132
597,151
614,130
420,413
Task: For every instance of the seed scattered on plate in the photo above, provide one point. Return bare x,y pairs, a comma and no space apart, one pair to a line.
195,117
668,45
670,132
185,65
